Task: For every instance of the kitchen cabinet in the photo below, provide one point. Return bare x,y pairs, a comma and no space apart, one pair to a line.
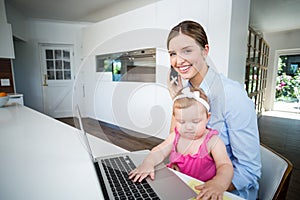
6,41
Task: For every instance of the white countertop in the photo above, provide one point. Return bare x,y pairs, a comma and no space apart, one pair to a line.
42,158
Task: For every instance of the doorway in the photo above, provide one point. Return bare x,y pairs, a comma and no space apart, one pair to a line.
287,94
57,76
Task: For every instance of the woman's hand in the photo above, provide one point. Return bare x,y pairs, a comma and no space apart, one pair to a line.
175,84
141,172
210,190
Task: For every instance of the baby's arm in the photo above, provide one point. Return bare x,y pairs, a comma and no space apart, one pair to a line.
156,156
215,187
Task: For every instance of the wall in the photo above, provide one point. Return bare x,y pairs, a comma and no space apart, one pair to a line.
147,107
19,22
141,107
237,42
27,65
6,76
286,42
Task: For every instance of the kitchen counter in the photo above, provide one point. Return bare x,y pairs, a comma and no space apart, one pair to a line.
42,158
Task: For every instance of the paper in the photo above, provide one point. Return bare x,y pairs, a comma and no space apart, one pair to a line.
192,183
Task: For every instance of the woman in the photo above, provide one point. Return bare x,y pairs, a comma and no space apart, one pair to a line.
232,112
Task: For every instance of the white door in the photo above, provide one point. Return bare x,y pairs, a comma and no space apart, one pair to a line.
57,77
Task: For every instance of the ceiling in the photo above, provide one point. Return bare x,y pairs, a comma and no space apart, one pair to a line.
75,10
265,15
275,15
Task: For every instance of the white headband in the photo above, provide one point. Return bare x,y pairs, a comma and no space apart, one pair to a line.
186,93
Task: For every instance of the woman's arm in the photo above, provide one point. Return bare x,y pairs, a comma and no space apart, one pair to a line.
241,121
156,156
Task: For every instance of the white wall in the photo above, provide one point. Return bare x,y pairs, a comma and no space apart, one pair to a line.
238,40
146,107
280,43
19,23
141,107
27,65
227,31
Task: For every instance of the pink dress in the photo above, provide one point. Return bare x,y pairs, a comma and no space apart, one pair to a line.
200,165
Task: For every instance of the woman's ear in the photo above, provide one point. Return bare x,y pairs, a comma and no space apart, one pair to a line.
206,50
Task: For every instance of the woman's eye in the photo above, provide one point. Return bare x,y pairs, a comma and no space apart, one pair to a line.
172,54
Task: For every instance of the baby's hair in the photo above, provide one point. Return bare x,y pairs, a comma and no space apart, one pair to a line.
186,102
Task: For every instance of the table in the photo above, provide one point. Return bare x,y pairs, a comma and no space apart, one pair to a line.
43,158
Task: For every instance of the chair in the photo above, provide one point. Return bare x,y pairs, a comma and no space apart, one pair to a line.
276,173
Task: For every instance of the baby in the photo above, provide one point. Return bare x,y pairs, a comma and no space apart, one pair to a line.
193,149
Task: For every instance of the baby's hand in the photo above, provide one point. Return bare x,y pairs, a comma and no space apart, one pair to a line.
141,172
210,190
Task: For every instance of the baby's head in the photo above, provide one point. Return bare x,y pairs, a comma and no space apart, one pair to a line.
189,96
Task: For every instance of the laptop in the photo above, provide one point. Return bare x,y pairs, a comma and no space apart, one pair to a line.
112,172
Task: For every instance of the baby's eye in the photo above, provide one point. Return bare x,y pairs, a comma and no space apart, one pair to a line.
196,121
187,51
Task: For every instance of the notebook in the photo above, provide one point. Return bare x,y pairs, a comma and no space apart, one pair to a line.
112,172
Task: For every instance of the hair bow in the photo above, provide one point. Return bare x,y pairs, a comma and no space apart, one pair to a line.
186,93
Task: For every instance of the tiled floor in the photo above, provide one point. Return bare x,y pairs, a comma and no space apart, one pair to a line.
281,132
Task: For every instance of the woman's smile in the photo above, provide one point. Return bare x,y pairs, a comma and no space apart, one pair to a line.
184,69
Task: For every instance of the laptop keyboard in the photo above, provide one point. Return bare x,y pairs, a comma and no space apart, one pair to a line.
122,187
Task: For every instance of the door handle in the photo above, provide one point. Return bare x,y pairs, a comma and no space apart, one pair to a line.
45,80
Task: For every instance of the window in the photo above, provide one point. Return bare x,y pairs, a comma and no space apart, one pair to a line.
58,64
256,69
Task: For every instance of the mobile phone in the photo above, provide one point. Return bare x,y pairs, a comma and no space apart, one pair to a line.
174,75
